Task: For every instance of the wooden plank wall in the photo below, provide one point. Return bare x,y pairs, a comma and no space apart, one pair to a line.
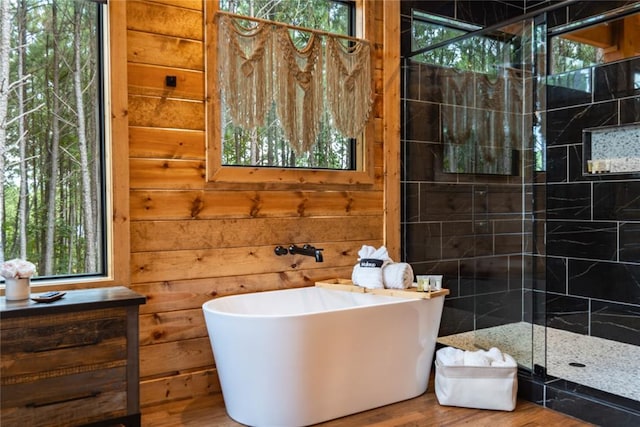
189,242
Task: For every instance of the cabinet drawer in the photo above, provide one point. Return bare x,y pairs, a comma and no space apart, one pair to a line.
68,400
59,342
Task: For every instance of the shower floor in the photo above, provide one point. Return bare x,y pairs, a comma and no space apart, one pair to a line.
609,366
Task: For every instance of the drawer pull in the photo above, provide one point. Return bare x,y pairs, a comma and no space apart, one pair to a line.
69,399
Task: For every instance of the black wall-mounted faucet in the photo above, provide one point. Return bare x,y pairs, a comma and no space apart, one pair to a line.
307,250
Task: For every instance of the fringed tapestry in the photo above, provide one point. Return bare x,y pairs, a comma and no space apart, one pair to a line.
298,89
260,65
349,85
245,70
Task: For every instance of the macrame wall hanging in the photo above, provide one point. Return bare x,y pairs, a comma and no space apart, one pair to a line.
348,85
262,65
245,56
298,89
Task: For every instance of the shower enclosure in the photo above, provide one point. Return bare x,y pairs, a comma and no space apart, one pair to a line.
540,252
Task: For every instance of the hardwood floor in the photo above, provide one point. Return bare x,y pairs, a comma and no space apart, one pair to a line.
421,411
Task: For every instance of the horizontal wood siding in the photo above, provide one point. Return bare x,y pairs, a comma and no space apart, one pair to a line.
191,242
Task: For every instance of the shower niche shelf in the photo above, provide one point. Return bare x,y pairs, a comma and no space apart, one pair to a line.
610,150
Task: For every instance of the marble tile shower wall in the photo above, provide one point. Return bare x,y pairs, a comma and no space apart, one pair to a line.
593,221
469,227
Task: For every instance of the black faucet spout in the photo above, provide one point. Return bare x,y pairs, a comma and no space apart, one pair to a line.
307,250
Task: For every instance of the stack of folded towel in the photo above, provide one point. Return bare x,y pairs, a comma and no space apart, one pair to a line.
449,356
375,270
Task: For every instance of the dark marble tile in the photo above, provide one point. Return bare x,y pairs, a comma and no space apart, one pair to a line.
503,200
616,200
557,17
457,316
411,81
593,406
410,207
569,201
421,121
431,78
585,9
505,244
467,271
534,304
484,245
536,272
608,281
557,164
575,163
571,88
440,7
498,309
630,110
618,322
556,279
508,237
446,202
617,80
565,125
421,160
458,240
491,274
630,242
567,313
485,13
423,242
520,271
529,388
589,240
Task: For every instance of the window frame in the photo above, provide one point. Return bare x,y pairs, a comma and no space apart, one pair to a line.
225,176
116,163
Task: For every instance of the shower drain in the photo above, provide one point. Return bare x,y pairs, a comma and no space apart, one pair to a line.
577,364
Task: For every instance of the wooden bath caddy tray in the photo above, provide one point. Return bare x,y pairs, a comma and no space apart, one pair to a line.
347,285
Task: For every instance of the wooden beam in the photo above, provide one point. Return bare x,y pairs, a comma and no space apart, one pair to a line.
391,125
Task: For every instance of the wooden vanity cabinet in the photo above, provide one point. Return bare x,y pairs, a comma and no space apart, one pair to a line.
71,362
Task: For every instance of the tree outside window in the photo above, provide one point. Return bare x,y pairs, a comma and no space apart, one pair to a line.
51,136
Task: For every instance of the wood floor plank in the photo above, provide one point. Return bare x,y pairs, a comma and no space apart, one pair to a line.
422,411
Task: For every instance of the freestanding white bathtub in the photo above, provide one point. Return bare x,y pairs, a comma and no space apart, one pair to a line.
301,356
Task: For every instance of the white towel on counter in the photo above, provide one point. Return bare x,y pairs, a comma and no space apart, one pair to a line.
397,275
476,358
368,271
450,356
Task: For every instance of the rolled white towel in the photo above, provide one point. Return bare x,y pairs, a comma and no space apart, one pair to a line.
397,275
368,272
450,356
476,358
367,277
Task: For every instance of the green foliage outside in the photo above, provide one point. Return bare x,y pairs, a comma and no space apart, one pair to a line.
36,100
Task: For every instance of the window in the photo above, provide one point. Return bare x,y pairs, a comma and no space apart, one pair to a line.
57,210
263,154
267,145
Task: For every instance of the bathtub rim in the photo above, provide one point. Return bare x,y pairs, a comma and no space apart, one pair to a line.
384,300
